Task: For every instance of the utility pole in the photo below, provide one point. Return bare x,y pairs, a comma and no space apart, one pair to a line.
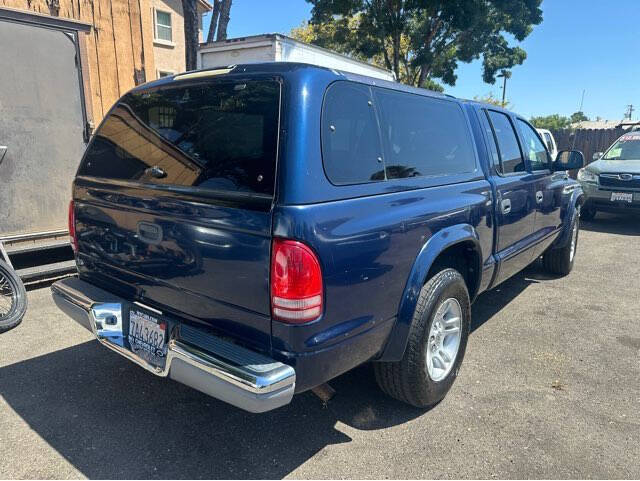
505,74
630,110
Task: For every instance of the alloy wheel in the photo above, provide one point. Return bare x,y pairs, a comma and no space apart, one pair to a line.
444,339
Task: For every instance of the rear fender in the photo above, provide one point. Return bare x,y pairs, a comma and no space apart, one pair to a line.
438,243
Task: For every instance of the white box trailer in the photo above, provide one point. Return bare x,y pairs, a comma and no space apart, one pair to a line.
276,47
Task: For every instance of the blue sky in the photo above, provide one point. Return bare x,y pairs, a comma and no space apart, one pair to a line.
581,44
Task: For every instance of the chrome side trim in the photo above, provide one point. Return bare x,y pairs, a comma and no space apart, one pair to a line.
238,371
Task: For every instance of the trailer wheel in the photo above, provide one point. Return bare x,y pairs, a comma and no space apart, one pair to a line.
13,298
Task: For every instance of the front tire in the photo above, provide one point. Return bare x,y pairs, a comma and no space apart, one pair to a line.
560,261
13,298
437,342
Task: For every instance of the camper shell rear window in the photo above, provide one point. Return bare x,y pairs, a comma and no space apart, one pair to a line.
218,135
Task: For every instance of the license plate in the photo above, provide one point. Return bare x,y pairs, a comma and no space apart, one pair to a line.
622,197
147,336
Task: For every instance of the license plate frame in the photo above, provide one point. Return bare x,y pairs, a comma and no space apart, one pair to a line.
626,197
147,336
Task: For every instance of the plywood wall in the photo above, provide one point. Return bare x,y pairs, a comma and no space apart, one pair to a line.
119,43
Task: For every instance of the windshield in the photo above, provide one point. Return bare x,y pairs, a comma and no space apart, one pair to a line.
220,136
626,147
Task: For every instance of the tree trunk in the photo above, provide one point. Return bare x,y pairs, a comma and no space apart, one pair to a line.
424,74
225,16
190,11
213,26
396,54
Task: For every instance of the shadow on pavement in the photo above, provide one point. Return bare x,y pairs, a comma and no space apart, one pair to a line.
620,224
491,302
112,419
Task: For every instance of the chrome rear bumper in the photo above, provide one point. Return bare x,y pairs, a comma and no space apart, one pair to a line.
216,367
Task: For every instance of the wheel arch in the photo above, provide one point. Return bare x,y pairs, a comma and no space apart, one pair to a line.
456,246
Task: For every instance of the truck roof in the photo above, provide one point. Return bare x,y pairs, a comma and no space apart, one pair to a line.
285,68
486,105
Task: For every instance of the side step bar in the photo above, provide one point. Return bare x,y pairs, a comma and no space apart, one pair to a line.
215,366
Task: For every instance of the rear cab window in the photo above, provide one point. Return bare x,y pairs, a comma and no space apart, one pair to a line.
510,156
221,136
373,134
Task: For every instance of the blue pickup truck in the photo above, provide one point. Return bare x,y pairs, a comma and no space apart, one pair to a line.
257,230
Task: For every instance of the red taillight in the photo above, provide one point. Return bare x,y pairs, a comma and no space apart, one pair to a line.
72,226
296,282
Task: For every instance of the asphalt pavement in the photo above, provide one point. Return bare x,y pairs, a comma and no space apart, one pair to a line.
549,388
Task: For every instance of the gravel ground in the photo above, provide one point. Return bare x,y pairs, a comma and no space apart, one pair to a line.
550,388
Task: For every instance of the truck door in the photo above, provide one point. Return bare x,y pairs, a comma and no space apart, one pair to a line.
515,203
548,187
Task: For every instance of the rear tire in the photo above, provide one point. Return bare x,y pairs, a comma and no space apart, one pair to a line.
13,298
560,261
423,376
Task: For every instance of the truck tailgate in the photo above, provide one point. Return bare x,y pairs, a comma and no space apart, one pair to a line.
204,261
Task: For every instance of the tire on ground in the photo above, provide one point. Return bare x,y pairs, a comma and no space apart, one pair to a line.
560,261
408,379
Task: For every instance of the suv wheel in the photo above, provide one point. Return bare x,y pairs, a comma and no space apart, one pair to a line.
560,261
436,345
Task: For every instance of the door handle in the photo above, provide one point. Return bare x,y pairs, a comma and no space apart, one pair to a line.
506,206
539,197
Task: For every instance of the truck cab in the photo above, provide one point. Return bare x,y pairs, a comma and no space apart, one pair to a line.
257,230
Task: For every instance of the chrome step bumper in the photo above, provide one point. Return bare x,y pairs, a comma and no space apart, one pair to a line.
216,367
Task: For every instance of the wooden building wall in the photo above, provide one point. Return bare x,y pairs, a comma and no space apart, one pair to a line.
115,53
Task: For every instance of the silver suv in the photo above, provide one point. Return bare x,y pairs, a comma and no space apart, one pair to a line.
612,182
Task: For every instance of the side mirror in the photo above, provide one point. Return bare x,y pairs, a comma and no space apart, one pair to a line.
569,160
597,156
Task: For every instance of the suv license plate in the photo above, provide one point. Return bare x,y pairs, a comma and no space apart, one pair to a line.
147,336
622,197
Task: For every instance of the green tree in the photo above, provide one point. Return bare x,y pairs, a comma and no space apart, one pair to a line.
424,40
490,99
326,35
578,116
551,122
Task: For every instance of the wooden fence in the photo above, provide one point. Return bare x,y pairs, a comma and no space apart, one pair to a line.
587,141
118,52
